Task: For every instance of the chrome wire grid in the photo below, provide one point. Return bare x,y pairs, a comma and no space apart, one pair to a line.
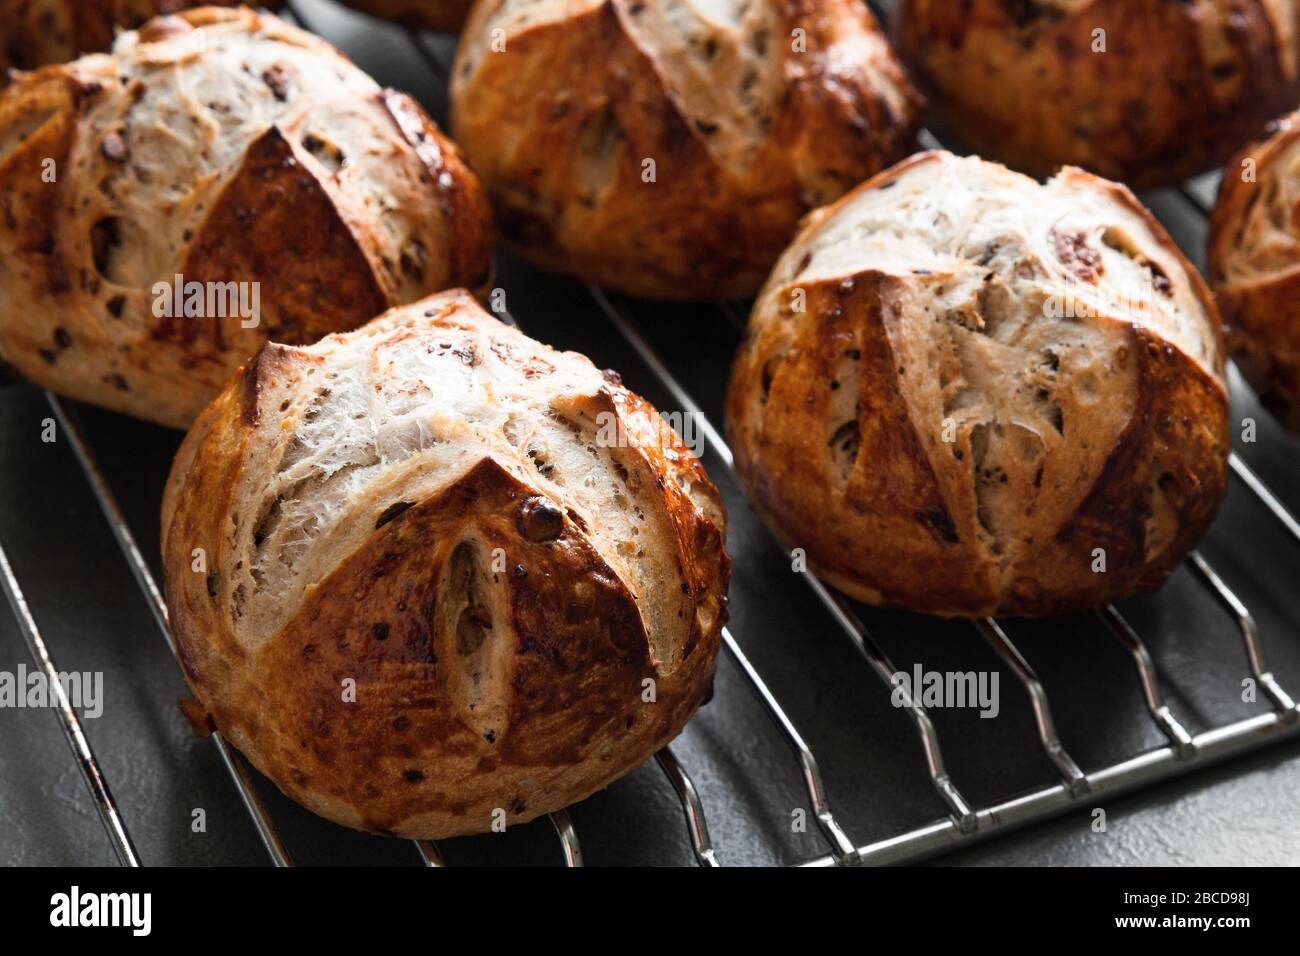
964,823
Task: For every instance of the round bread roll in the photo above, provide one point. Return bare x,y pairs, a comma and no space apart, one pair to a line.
171,206
442,15
1144,91
668,148
967,394
1255,266
516,563
36,32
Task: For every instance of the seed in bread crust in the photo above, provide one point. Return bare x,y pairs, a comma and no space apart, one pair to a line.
539,520
114,146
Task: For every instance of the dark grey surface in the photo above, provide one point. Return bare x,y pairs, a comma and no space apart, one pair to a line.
94,618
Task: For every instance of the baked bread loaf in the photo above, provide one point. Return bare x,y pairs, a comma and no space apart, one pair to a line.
1254,258
166,209
443,15
516,563
36,32
1164,90
967,394
668,148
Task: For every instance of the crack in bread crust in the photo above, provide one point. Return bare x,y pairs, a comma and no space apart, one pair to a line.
958,384
427,506
245,156
441,15
669,147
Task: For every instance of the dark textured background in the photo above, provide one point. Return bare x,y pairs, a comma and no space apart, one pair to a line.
94,618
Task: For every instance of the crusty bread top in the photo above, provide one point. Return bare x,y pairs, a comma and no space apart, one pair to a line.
668,148
37,32
963,219
229,148
1218,28
958,382
1255,229
1254,265
446,15
194,100
345,433
1216,21
502,547
725,64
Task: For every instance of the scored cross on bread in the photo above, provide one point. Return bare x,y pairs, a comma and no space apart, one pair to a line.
514,559
966,393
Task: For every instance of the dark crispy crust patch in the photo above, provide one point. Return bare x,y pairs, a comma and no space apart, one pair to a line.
553,707
464,204
36,32
1179,86
892,512
1254,256
1175,440
574,679
561,139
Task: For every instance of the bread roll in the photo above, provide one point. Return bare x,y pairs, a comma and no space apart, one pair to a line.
1255,265
444,15
290,194
967,394
36,32
667,148
1148,92
519,566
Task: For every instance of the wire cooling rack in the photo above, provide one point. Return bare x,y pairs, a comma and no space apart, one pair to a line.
965,820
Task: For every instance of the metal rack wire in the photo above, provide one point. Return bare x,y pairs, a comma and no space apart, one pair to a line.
1183,752
963,824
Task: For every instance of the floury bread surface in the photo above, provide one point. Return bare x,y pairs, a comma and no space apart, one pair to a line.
520,567
234,151
965,393
668,148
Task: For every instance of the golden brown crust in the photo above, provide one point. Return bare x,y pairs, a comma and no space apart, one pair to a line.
1254,262
115,180
1177,88
37,32
746,133
498,622
443,15
921,421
